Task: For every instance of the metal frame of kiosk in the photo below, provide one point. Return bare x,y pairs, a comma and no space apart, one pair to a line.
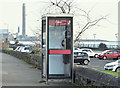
57,46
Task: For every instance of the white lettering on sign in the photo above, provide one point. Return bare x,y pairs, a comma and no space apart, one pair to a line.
59,22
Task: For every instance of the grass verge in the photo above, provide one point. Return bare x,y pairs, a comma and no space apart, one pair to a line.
76,85
10,48
109,72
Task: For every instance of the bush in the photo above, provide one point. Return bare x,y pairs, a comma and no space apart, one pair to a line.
36,52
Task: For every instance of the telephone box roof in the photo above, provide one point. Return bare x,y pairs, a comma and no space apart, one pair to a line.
57,15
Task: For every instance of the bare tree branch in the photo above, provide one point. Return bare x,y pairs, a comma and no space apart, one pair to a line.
65,6
87,26
62,4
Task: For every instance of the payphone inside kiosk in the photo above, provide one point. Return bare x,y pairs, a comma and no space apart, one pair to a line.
57,46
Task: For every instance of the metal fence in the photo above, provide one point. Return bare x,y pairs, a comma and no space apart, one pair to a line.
97,46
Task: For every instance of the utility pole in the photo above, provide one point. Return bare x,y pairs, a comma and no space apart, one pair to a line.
94,35
116,35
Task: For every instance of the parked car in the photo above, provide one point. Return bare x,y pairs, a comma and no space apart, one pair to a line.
17,48
20,48
89,52
26,49
113,66
81,57
115,54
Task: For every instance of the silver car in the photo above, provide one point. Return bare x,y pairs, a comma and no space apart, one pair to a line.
113,66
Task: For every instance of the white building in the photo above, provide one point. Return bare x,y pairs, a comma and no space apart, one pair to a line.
4,33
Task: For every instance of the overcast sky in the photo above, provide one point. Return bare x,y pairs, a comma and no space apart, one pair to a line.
11,16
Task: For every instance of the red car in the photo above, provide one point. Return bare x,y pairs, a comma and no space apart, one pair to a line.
115,54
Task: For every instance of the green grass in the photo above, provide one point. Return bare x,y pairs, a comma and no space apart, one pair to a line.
109,72
10,48
78,86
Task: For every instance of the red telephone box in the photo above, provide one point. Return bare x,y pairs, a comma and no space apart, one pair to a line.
57,46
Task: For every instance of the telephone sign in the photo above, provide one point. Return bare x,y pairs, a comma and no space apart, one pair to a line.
59,22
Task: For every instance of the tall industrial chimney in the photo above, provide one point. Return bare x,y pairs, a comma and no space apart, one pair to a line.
18,29
23,21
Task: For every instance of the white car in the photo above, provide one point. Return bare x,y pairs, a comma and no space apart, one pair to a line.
24,49
17,48
20,48
89,52
113,66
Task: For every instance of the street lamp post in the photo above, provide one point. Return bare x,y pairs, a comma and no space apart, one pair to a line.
116,35
94,39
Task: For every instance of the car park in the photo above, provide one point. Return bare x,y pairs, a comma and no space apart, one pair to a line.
113,66
89,52
81,57
115,54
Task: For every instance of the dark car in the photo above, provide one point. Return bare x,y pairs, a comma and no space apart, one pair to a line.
81,57
115,54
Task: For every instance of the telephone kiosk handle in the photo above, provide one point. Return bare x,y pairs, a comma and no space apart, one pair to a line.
63,43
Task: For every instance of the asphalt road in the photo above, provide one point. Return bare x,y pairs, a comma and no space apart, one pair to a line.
99,64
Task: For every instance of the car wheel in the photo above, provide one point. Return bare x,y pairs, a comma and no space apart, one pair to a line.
104,57
115,58
96,55
118,70
100,58
86,62
118,57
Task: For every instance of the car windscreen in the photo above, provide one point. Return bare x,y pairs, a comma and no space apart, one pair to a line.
87,51
80,54
105,51
27,48
75,48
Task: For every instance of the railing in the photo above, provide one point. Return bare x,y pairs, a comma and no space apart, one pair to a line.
97,46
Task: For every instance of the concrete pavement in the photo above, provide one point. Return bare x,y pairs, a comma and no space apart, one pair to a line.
16,72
